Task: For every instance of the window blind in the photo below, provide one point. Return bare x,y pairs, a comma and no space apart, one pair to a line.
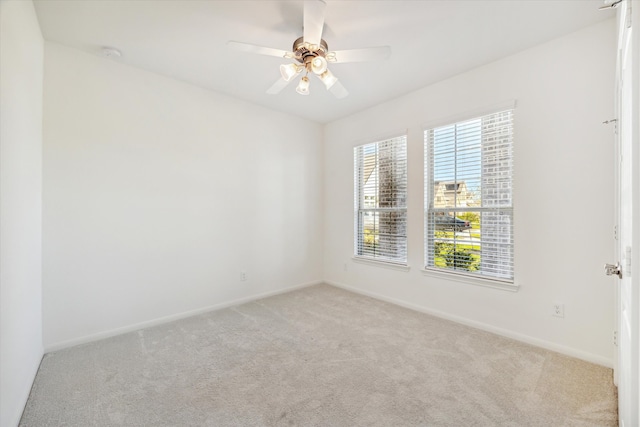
469,197
381,200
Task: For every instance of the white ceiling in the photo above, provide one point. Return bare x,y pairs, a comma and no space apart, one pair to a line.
430,40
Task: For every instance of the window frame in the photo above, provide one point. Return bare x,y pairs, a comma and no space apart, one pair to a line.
380,258
460,275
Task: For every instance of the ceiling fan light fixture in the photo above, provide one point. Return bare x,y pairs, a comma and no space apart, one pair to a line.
289,71
303,86
328,79
318,65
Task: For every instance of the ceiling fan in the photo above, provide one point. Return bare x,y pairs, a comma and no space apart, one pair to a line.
311,54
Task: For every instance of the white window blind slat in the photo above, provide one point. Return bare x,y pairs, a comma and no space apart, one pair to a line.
380,200
469,196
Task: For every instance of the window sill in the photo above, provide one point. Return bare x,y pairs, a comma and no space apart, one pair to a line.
478,281
383,264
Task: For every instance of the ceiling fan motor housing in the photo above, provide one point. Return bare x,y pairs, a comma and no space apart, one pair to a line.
304,53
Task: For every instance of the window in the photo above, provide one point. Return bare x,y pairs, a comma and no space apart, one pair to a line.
468,197
381,200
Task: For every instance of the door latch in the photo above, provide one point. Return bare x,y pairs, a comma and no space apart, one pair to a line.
611,269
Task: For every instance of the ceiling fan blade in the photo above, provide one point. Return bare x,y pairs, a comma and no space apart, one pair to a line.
360,55
261,50
338,90
278,86
313,21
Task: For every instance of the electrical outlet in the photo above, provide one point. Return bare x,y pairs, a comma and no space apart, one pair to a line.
558,309
243,276
344,267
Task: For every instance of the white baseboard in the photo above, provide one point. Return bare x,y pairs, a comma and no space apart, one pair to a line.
568,351
589,357
166,319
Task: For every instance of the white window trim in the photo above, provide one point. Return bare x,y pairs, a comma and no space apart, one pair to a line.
381,263
382,137
469,114
456,275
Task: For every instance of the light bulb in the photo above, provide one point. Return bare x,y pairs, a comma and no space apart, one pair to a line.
288,71
303,86
318,65
328,79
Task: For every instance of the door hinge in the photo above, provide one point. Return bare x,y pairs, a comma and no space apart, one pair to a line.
615,232
613,270
615,338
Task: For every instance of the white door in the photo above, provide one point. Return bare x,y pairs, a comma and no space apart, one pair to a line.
627,373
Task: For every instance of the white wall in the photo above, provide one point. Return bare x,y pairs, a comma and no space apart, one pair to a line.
158,193
563,195
21,63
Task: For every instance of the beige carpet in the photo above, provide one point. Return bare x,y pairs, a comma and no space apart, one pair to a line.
320,356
